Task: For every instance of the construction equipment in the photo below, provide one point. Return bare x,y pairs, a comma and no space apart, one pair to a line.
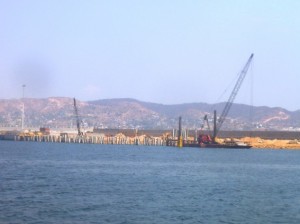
208,141
205,121
78,121
218,123
205,138
232,96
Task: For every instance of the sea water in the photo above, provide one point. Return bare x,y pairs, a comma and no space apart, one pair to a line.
84,183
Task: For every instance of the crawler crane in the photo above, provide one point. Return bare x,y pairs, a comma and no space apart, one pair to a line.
207,140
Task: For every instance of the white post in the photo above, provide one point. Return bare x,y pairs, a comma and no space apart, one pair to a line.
23,108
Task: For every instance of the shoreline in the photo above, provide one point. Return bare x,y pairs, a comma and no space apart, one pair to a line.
267,140
261,143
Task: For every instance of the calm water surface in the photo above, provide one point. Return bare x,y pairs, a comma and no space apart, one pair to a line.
75,183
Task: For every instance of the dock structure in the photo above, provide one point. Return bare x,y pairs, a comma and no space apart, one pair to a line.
100,136
148,137
90,138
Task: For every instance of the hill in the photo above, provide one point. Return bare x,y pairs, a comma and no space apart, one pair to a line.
58,112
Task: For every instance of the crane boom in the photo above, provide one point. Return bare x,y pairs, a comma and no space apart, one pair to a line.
232,96
77,118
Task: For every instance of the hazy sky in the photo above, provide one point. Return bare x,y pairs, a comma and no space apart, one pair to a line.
162,51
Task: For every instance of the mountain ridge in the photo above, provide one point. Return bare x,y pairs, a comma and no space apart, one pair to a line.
58,112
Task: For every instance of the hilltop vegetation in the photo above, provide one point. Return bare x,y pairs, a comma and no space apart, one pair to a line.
58,112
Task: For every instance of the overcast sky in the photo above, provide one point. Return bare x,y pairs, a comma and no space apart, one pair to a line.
162,51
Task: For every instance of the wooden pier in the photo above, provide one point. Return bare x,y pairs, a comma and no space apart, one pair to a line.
94,139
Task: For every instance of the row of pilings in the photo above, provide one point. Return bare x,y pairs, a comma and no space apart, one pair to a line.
93,139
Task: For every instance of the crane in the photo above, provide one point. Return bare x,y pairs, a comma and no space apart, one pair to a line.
77,118
205,121
218,124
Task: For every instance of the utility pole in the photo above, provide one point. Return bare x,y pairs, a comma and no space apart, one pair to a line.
23,106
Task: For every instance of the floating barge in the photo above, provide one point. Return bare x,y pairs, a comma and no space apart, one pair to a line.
226,145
